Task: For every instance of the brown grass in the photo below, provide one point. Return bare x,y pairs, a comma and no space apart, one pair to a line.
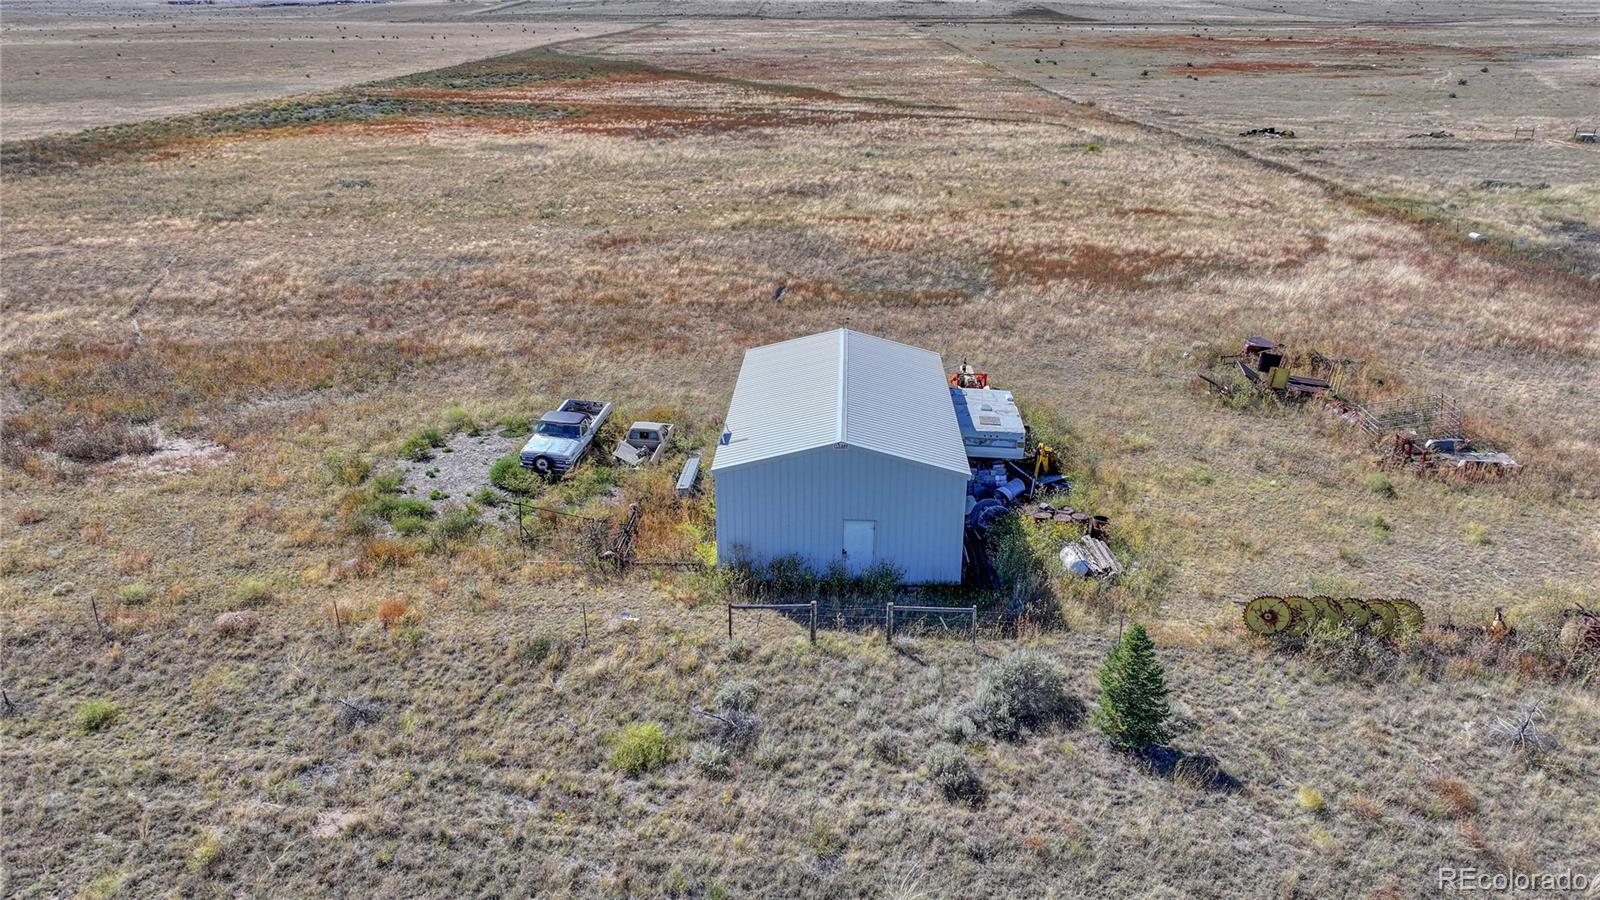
311,297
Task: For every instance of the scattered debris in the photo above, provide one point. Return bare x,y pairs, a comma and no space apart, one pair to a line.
1436,135
353,712
1089,557
1272,616
645,443
1523,732
689,478
1271,132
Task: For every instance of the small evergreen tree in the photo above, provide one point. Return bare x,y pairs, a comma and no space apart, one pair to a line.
1133,693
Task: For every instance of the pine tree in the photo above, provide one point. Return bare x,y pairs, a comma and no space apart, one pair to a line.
1133,693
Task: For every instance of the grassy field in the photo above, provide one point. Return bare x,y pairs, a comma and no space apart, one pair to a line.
244,659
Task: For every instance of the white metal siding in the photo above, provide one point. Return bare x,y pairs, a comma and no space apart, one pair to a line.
797,504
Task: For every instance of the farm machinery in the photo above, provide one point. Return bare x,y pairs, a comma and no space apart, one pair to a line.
1429,434
1266,366
1292,617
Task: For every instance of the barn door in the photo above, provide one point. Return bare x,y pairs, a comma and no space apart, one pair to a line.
860,541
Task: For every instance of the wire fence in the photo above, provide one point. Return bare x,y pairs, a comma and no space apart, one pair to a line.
894,620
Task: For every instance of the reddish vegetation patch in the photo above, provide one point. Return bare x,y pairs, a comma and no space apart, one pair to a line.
1092,263
646,121
1228,68
1225,46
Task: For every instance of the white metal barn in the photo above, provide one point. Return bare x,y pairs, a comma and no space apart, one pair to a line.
843,446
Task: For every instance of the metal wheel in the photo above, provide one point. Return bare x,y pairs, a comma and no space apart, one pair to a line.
1353,612
1328,612
1384,617
1409,613
1305,616
1267,615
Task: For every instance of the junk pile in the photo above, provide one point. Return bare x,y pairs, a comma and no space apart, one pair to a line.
1271,132
1429,434
1013,473
1008,467
1266,366
1291,617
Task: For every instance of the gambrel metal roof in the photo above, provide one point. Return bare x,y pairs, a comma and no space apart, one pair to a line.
842,388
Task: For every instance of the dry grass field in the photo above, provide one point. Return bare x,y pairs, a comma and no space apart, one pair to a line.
225,327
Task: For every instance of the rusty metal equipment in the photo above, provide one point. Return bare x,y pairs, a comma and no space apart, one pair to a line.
1267,366
1429,434
1295,616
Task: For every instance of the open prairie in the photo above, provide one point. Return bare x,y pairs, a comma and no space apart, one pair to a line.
269,629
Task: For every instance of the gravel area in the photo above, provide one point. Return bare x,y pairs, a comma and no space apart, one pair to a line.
459,469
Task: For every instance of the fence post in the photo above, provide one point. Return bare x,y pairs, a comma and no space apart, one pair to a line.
730,621
888,623
974,626
813,623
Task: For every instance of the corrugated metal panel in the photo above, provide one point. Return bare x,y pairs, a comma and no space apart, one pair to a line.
798,504
842,387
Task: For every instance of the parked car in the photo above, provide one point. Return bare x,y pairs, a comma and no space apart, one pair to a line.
563,435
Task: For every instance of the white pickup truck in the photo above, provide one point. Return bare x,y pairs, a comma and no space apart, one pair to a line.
563,435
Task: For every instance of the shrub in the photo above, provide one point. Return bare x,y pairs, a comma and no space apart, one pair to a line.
737,696
507,474
953,774
955,726
1133,693
1309,799
384,553
408,525
1025,690
458,524
458,418
348,468
390,482
253,592
420,446
136,594
709,760
1380,484
1022,551
886,746
539,648
881,580
388,507
436,495
206,854
95,715
639,748
391,611
791,576
732,725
